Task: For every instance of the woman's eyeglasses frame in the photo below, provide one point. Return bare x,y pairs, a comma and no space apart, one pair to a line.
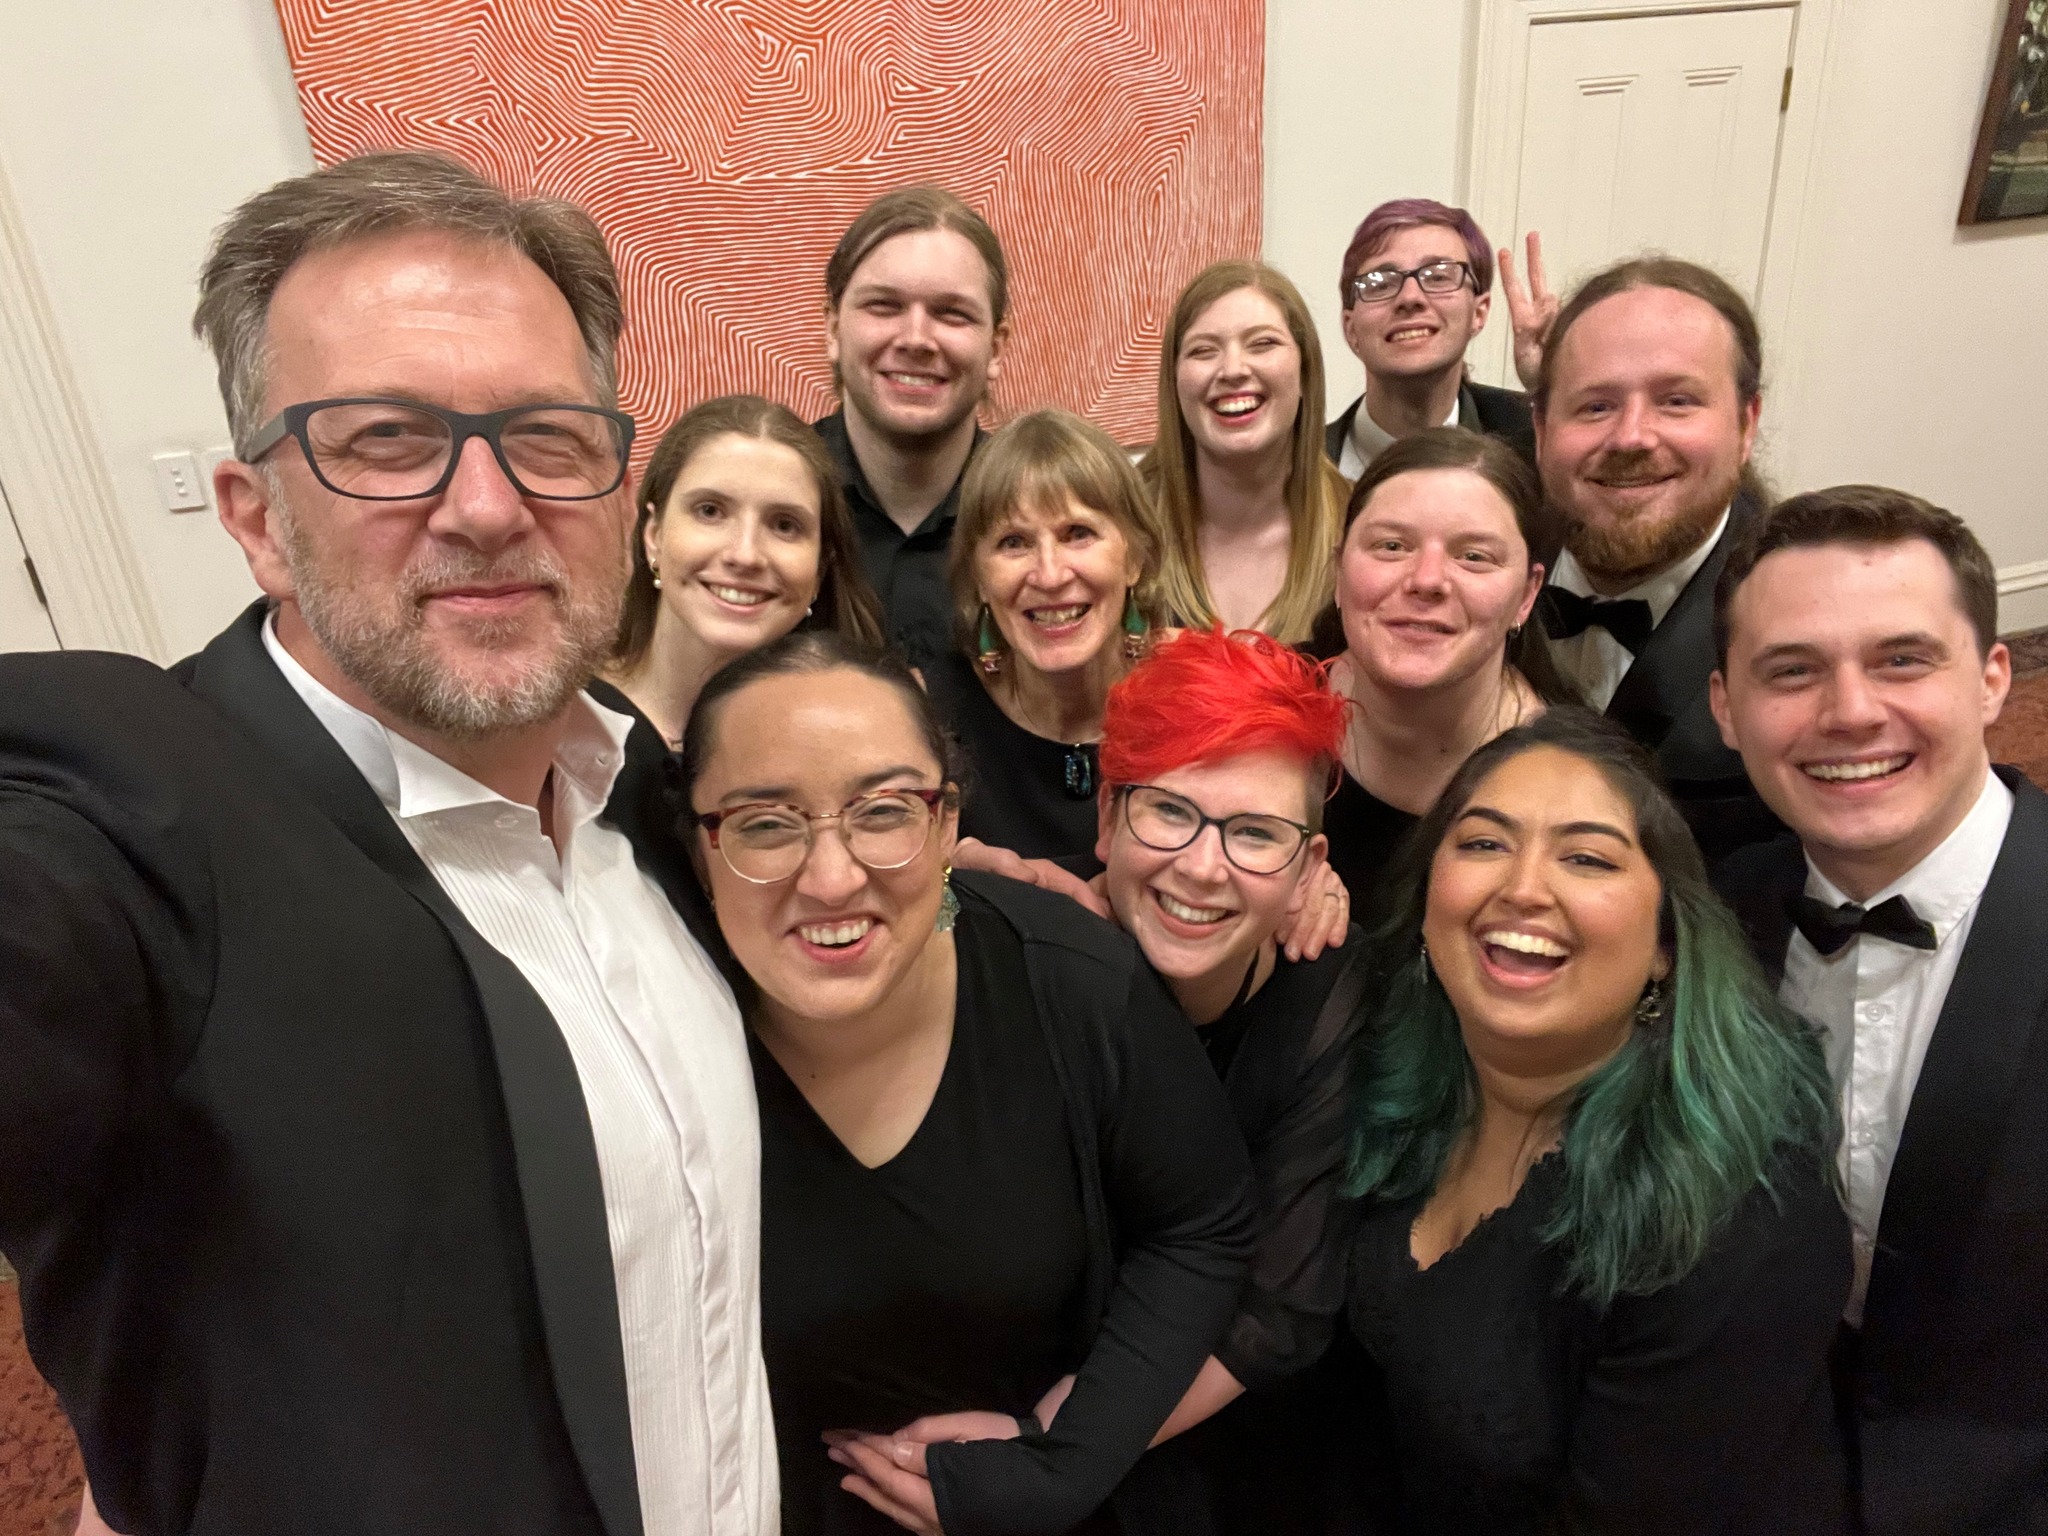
934,800
1203,821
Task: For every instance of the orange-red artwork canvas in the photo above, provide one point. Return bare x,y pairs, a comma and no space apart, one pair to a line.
724,145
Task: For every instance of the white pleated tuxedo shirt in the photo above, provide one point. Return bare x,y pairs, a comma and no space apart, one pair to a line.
1878,1002
662,1058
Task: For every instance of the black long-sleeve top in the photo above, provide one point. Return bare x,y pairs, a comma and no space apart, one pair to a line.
1145,1222
1263,1463
1704,1407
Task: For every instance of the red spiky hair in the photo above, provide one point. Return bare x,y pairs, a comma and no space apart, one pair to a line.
1204,696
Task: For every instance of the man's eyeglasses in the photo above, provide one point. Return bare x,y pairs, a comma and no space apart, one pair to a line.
1167,823
1384,283
765,843
376,449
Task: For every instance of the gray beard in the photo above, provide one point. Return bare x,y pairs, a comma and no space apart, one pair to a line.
382,647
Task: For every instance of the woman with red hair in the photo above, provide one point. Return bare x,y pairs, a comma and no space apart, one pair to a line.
1217,754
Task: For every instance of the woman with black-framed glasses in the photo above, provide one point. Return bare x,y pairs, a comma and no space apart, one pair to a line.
1219,750
992,1153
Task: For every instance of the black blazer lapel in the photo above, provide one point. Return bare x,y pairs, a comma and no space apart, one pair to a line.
555,1156
1338,430
1669,676
1969,1075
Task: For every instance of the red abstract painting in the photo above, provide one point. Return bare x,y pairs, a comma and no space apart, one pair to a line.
724,145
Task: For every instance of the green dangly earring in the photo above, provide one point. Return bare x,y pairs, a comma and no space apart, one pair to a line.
949,904
989,641
1137,633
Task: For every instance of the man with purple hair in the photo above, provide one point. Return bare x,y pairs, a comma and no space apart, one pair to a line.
1416,286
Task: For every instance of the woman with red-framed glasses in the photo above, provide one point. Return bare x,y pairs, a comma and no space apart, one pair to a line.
993,1154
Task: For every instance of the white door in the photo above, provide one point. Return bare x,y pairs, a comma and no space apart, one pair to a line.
24,620
1650,132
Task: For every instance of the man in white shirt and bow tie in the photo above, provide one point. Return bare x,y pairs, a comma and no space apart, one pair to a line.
1908,920
1646,408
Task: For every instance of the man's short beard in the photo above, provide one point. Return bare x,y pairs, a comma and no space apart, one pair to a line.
1636,548
382,646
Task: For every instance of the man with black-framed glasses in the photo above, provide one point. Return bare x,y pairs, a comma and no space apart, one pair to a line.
381,1139
1416,286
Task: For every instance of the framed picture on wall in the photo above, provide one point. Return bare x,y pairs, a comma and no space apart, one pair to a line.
2009,172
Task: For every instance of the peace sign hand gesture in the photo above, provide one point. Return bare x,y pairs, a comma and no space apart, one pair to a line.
1532,308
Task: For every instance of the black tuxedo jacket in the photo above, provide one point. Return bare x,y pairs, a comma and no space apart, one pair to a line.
1501,413
294,1166
1948,1389
1662,702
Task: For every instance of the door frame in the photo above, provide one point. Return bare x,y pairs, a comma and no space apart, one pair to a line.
1498,84
62,498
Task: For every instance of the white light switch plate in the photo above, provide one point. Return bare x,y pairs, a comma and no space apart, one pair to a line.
179,485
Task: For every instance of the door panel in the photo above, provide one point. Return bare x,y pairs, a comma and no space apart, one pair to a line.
1653,132
24,621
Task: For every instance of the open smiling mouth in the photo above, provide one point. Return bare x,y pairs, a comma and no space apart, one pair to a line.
1236,407
1058,618
836,935
1517,954
739,597
1857,772
1409,333
1199,917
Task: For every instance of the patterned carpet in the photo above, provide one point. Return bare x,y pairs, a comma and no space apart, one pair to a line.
40,1476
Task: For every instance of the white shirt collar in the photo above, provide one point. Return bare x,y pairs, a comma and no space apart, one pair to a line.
1369,439
1944,886
1659,591
411,781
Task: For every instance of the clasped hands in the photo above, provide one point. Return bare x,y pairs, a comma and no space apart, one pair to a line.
888,1471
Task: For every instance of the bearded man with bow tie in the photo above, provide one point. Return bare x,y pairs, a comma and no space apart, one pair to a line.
1646,409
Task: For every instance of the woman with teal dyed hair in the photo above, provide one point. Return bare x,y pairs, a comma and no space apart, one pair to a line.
1600,1259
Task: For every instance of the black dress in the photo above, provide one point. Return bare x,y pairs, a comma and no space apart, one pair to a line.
1363,831
1076,1199
949,1277
1267,1461
1703,1407
1032,796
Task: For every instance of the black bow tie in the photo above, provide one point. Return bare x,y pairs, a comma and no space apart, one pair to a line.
1828,928
1628,619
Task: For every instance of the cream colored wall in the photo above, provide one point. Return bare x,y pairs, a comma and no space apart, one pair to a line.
129,127
1919,357
1364,102
1941,390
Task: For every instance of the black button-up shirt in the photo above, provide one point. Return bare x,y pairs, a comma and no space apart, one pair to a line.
907,570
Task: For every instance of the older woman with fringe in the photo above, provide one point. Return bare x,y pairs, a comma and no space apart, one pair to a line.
1600,1257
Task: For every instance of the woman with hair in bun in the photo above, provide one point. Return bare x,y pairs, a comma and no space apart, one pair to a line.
1429,629
742,537
991,1153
